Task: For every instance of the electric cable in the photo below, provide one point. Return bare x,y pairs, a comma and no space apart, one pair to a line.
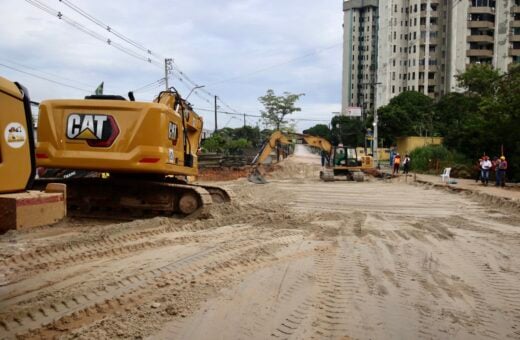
46,79
47,73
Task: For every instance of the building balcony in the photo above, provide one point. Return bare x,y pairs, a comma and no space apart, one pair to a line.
514,52
433,14
514,38
481,24
482,10
433,41
481,38
515,9
515,23
479,53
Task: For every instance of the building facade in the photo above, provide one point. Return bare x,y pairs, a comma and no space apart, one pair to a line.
421,45
359,53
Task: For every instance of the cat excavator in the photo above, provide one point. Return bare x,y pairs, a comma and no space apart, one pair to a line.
139,156
17,162
338,160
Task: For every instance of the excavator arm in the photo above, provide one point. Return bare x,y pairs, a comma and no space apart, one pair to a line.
275,139
281,138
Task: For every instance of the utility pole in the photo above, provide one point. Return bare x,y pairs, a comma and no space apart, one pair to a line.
168,66
376,122
216,125
244,120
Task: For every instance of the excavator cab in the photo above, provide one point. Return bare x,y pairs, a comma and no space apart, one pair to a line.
344,156
17,162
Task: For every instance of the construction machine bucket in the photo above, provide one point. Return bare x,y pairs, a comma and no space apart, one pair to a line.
256,177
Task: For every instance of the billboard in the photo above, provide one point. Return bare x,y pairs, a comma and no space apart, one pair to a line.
352,111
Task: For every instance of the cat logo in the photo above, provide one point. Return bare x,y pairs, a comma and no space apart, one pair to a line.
172,133
97,130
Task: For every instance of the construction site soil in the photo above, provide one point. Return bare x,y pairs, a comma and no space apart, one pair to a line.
295,258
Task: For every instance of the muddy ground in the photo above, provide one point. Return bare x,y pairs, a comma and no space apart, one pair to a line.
296,258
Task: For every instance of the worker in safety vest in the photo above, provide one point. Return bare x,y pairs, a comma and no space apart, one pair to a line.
397,164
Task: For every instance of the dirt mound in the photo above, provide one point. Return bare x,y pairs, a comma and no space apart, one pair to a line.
293,170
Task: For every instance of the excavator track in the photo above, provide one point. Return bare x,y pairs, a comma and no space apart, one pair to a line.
135,198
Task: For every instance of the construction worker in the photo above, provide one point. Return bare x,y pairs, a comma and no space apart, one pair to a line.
486,166
478,170
502,169
397,164
406,164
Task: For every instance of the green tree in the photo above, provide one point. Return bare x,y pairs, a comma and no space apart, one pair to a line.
485,118
481,80
457,119
320,130
408,114
276,108
348,131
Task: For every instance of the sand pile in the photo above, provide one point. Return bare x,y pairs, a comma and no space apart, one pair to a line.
303,164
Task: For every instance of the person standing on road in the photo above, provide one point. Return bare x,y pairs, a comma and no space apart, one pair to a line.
478,170
406,164
501,172
486,166
397,164
494,169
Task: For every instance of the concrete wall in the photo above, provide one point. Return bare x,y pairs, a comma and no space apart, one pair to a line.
405,145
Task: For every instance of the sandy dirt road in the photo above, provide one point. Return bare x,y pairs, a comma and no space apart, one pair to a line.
296,258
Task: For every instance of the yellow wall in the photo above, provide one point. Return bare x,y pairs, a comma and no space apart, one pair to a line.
408,144
384,154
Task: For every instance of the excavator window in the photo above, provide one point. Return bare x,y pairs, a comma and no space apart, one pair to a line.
345,156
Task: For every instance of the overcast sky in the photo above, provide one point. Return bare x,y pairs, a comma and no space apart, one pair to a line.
237,48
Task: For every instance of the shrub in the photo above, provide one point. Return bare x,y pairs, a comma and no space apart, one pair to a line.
433,158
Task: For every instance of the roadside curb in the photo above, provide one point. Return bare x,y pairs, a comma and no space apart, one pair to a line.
502,202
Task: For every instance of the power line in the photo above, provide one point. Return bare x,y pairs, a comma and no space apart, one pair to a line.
46,79
107,27
236,114
151,85
149,58
47,73
85,30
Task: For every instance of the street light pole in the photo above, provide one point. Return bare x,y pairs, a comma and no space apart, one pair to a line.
375,124
193,89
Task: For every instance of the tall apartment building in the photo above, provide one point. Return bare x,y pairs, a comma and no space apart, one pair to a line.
360,53
485,32
421,45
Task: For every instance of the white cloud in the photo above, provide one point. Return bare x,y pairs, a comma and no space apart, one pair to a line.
210,40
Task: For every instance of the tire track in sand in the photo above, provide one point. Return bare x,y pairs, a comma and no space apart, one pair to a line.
81,306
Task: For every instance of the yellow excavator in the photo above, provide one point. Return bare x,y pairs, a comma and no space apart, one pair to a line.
17,162
338,160
149,150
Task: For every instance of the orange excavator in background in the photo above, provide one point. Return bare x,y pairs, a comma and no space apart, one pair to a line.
339,160
149,150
